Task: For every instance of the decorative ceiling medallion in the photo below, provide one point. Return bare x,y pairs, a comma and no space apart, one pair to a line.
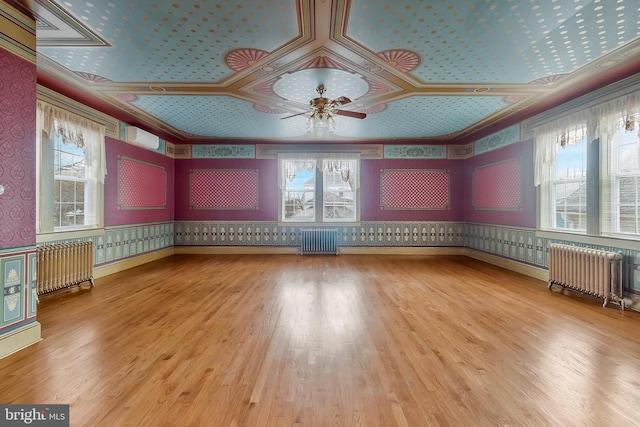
265,88
376,87
126,97
375,109
300,86
323,62
92,77
268,109
547,80
241,59
401,60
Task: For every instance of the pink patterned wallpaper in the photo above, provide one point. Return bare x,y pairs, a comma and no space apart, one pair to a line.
141,185
498,186
17,151
224,189
414,189
142,191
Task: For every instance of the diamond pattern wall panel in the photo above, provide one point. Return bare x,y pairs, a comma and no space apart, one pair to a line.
141,185
414,189
224,189
498,186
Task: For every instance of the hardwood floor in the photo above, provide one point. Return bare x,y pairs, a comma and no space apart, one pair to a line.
270,340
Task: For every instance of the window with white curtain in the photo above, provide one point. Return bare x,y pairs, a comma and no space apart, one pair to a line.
621,176
587,167
569,182
71,169
319,188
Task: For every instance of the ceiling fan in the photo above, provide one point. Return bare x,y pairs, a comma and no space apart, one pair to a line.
322,109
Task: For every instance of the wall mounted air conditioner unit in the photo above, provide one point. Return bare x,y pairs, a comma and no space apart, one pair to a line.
142,138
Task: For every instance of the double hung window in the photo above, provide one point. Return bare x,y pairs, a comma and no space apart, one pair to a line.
587,166
71,170
319,188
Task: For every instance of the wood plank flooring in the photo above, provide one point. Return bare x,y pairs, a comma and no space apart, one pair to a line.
282,340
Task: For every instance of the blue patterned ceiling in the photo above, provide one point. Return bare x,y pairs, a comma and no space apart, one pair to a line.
420,70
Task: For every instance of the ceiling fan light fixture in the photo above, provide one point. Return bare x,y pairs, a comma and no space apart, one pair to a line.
321,120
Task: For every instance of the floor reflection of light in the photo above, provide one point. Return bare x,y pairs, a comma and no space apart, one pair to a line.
321,314
86,347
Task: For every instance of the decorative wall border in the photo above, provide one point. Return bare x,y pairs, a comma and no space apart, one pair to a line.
365,234
223,151
118,243
415,151
367,151
502,138
526,246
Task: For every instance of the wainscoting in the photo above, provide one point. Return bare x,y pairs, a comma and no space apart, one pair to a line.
507,246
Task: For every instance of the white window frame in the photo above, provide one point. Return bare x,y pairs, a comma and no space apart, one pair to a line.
320,164
603,122
578,181
553,141
612,175
54,122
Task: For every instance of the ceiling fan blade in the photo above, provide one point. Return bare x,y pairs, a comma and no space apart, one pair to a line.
288,117
341,101
354,114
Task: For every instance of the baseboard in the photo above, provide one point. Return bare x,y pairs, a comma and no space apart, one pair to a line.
20,338
236,250
402,250
518,267
119,266
292,250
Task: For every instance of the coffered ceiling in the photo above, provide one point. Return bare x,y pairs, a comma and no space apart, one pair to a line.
420,70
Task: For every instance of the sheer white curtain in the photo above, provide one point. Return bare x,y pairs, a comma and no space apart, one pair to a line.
600,122
52,122
345,163
291,163
77,130
611,115
616,117
552,135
